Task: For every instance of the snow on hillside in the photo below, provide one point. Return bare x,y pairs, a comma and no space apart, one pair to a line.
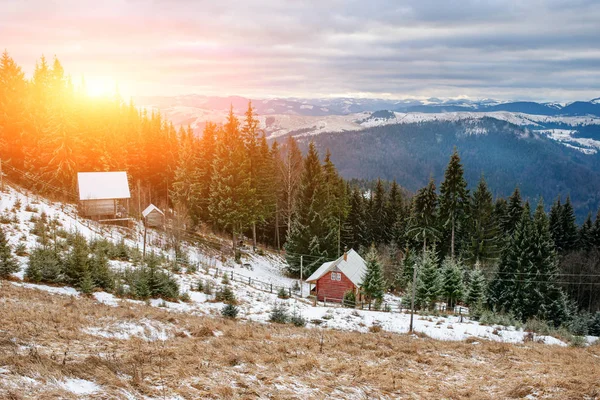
565,136
255,300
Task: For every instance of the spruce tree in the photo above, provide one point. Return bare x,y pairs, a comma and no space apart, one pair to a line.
514,211
422,224
556,228
477,286
483,243
569,226
232,199
454,200
429,283
585,239
373,284
314,230
452,281
76,262
378,217
8,263
355,228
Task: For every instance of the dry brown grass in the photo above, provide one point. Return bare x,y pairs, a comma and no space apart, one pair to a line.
42,337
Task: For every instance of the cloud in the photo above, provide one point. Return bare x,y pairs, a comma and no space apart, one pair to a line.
545,50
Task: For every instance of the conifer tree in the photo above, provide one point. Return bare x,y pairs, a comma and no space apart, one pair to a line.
355,224
556,229
569,226
585,239
77,261
596,230
429,283
477,286
8,263
422,224
232,198
514,211
314,231
373,284
452,281
482,246
454,199
335,191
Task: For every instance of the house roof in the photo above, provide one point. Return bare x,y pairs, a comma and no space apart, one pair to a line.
103,185
354,267
149,209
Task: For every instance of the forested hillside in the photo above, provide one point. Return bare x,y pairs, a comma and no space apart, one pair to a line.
506,154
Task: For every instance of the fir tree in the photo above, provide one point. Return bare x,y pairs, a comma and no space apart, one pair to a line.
482,246
596,230
454,199
423,215
314,230
452,282
556,229
373,283
355,225
429,284
585,240
477,286
514,211
76,262
568,226
378,216
8,263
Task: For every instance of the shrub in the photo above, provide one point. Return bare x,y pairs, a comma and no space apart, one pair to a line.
200,285
225,294
349,299
21,250
298,320
185,297
279,315
44,266
538,326
579,324
578,341
283,294
595,325
230,311
225,280
208,288
17,205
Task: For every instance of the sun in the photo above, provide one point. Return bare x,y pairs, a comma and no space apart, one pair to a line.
100,86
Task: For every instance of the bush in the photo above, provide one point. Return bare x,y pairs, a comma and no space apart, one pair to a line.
225,294
578,341
491,318
225,280
579,324
208,288
594,326
279,315
200,285
17,205
185,297
538,326
349,299
44,266
283,294
21,250
230,311
298,320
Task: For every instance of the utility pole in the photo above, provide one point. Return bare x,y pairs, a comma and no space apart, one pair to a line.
412,301
301,267
1,177
145,230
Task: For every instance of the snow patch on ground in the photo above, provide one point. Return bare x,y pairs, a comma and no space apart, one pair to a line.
144,329
79,386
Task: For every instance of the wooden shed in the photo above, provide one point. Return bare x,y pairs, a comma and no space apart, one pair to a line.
153,216
334,278
103,195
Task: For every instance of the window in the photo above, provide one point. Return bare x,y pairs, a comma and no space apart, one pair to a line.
336,276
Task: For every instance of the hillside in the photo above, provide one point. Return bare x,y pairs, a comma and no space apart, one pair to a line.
508,155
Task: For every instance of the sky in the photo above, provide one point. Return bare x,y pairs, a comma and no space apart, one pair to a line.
546,50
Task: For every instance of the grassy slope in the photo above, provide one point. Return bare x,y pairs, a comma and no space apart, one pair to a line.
43,341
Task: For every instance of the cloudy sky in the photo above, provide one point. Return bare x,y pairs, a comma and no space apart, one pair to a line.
532,49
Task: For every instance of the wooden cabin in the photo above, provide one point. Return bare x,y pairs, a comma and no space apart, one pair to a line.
334,278
103,195
153,216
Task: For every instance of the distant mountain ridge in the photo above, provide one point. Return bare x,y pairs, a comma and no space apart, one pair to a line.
342,106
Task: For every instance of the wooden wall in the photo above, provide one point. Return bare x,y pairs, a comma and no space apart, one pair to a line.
333,290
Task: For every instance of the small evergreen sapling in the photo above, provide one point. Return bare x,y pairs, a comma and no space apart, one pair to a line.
279,314
230,311
349,299
8,263
283,294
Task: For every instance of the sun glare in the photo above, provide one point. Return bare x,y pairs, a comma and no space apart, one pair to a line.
100,86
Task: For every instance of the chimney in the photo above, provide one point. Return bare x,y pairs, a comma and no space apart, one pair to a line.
345,253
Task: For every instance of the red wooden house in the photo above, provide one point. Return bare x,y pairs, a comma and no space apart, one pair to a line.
334,278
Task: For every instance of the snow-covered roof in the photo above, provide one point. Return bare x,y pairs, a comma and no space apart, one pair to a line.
149,209
103,185
354,267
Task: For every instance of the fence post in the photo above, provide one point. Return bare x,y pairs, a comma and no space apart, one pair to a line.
290,290
271,288
249,280
231,275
